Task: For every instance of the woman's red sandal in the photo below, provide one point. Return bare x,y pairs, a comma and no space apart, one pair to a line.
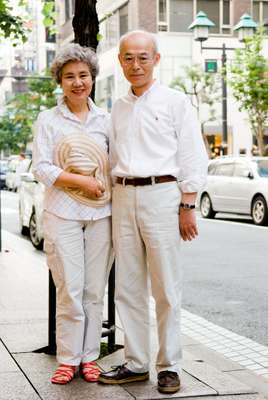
90,371
63,374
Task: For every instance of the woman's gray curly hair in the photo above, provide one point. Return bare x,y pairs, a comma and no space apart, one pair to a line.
74,52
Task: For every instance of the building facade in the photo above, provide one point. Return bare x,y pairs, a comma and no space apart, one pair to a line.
31,57
169,20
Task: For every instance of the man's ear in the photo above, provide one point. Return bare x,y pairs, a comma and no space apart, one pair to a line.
157,57
120,59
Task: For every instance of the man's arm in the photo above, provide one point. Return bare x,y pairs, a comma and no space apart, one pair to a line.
192,159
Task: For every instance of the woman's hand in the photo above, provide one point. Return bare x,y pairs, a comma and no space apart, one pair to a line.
91,186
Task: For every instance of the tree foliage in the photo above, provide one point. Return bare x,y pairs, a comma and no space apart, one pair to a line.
22,110
12,26
249,82
203,91
50,15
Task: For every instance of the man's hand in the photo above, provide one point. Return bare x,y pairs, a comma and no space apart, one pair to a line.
187,224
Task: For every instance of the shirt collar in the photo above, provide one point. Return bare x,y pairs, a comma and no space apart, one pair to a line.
154,85
62,106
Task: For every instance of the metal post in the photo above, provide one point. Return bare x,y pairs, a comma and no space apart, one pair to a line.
51,316
111,311
109,325
224,101
0,221
51,348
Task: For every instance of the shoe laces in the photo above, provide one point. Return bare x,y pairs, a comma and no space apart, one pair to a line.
118,367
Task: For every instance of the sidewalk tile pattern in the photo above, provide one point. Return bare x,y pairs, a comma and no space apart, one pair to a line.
242,350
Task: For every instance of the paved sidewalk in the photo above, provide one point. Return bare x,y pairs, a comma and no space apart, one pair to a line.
24,374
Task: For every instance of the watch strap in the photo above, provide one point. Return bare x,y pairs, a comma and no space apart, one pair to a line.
187,206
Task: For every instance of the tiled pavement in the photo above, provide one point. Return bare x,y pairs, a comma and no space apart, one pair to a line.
244,351
210,367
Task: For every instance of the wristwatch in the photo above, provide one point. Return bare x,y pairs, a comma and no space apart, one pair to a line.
187,206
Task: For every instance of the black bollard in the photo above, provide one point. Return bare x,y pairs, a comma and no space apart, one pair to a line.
109,325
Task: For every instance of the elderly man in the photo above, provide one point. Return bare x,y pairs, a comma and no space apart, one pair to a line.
158,164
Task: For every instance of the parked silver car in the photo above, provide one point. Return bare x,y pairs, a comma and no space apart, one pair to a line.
3,172
31,194
237,185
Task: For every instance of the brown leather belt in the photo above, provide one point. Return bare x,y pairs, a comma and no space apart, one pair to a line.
145,181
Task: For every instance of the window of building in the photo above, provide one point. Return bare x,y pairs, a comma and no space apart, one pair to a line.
123,20
30,64
162,15
212,9
50,37
181,14
260,12
50,57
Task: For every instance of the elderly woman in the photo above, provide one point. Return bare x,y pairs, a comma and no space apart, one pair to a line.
70,159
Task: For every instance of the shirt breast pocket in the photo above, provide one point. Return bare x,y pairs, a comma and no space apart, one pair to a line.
164,125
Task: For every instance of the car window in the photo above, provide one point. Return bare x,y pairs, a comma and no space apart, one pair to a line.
225,169
3,166
262,166
241,170
212,169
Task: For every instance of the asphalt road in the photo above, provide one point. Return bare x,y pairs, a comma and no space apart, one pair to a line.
9,211
226,276
225,271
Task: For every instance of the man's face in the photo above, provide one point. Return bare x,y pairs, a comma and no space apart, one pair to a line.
138,59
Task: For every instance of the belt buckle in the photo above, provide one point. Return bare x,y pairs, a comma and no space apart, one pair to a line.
152,180
124,181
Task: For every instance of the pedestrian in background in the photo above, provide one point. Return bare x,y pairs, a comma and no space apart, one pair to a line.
159,163
70,159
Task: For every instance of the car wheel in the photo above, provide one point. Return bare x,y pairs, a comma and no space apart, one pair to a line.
259,211
36,241
24,230
206,207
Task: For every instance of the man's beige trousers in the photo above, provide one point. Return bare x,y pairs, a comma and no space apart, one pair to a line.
147,243
79,256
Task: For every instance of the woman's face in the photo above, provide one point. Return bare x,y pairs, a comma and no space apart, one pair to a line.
76,81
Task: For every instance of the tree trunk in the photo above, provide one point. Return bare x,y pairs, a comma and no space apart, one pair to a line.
259,137
86,26
205,141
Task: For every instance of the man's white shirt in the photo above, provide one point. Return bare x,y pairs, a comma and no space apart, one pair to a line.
158,134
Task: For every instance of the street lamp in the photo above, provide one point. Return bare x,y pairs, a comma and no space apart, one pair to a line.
200,27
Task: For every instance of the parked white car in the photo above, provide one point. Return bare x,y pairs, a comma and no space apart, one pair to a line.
237,185
11,172
31,195
15,167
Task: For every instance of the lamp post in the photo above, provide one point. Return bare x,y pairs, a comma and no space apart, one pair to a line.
200,27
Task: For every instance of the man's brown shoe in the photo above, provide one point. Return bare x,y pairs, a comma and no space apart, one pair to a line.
168,382
121,374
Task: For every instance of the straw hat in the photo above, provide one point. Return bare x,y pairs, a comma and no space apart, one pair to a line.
79,154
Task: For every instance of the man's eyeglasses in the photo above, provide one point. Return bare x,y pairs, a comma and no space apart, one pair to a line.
141,59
